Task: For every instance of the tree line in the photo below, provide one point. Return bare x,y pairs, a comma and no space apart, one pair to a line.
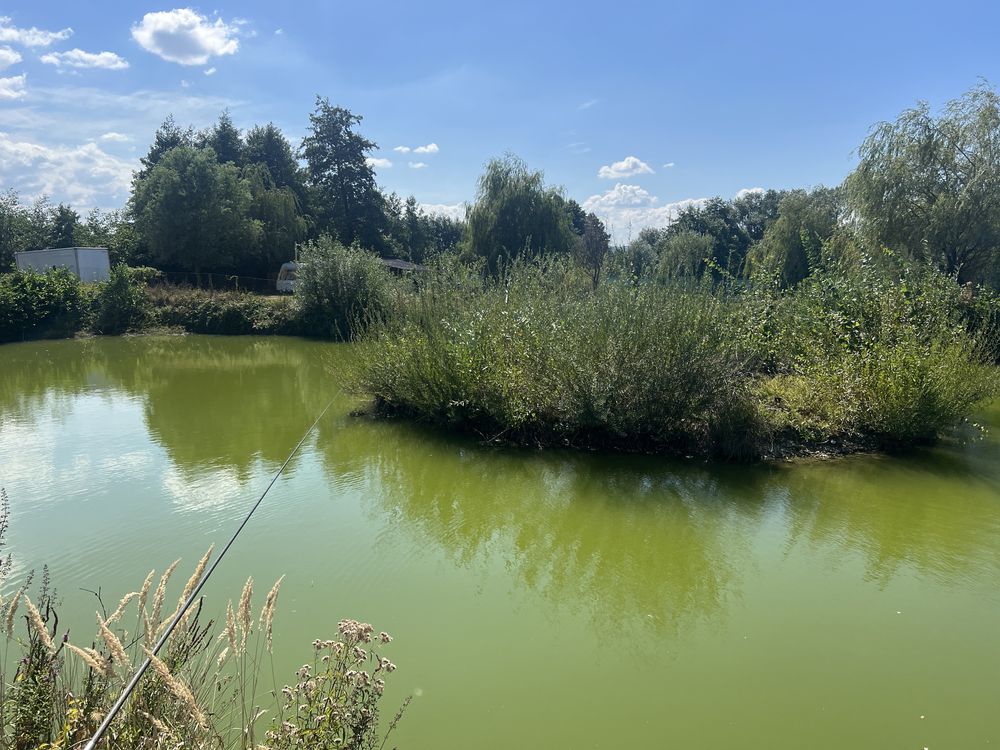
925,188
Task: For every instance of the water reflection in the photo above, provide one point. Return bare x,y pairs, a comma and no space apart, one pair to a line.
656,544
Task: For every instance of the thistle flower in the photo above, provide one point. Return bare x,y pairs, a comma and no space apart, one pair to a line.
177,687
36,622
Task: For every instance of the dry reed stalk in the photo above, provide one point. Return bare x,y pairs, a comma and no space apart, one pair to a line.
177,687
11,612
195,577
267,612
114,645
91,658
231,628
36,622
161,590
144,591
121,606
244,614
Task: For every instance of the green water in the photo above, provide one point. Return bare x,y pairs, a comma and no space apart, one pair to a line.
538,600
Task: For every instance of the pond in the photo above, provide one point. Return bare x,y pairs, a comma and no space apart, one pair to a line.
538,600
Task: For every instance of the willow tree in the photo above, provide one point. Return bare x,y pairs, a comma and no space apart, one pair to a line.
516,215
929,185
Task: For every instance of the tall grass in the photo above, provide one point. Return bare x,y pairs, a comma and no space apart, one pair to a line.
536,357
202,690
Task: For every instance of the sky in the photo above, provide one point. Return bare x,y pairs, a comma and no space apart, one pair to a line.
634,109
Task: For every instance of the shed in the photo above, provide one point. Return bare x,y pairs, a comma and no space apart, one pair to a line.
87,263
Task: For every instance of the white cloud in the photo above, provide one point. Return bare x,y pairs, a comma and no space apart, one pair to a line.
186,37
578,148
209,71
749,191
372,161
627,167
185,84
77,58
115,137
279,32
417,165
81,175
628,209
13,87
402,149
454,211
30,37
430,148
588,104
669,164
8,57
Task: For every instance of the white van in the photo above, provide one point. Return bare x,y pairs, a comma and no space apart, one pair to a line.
286,276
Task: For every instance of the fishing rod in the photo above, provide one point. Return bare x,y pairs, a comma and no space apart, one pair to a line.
134,682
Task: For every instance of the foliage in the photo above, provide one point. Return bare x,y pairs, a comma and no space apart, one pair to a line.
516,215
349,204
192,211
929,186
121,302
200,691
850,358
591,247
341,290
228,313
34,305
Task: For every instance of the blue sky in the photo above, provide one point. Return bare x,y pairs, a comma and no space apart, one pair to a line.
706,99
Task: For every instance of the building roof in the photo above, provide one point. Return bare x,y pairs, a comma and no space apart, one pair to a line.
402,265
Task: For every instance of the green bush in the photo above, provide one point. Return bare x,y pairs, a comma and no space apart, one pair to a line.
121,303
540,358
341,290
227,313
34,305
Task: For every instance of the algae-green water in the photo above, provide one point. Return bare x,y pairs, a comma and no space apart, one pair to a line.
537,600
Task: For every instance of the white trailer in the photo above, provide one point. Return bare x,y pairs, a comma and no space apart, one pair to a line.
87,263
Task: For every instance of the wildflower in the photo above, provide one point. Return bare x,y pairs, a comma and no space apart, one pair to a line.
384,637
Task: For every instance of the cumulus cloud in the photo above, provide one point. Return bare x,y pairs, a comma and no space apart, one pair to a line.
186,37
454,211
8,57
77,58
82,175
13,87
749,191
628,209
30,37
372,161
627,167
115,137
417,165
430,148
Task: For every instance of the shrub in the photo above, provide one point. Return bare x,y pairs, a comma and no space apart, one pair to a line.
34,305
228,313
341,290
121,302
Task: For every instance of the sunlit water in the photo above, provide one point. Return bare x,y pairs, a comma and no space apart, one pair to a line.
538,600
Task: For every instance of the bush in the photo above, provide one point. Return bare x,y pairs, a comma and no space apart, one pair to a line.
342,290
121,302
34,305
227,313
539,358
